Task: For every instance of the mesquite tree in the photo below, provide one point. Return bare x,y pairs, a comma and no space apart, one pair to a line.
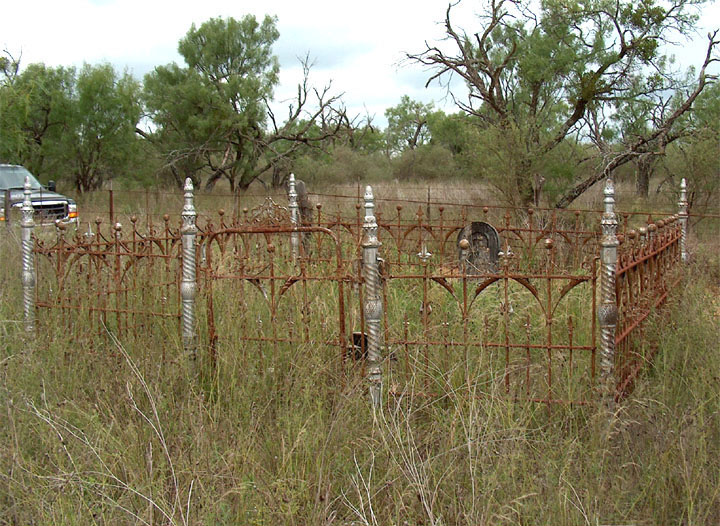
213,114
536,73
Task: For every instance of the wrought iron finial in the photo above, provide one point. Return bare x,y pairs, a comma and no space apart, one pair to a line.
189,214
292,190
424,253
609,221
609,196
369,206
683,193
189,206
27,208
370,226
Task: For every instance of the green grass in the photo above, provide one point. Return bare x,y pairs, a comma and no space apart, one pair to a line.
97,431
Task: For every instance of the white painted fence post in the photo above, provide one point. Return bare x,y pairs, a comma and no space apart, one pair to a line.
683,214
608,311
294,216
373,300
188,285
28,263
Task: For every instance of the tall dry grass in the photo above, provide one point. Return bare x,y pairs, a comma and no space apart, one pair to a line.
107,432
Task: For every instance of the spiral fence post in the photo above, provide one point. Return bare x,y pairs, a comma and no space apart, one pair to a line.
683,214
294,216
373,307
28,263
608,309
188,285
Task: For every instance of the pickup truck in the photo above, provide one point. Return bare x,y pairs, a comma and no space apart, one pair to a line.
50,207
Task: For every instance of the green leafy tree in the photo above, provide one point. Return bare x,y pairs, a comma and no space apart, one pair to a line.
100,141
178,102
35,106
695,154
636,118
211,111
213,115
453,131
534,73
77,126
407,125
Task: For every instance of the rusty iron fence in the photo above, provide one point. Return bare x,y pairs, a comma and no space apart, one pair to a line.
420,298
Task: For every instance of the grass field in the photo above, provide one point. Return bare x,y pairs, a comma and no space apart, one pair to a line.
116,433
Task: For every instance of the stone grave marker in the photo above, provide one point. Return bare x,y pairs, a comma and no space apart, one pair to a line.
478,246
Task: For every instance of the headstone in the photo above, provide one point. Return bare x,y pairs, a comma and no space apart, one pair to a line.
304,205
480,253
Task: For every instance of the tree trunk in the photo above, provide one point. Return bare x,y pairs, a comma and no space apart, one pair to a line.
524,187
644,166
279,175
210,184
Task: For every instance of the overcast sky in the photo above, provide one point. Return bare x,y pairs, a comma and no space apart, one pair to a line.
359,45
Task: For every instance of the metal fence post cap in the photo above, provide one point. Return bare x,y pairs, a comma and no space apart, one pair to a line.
683,202
369,207
292,190
609,196
188,213
370,225
189,196
369,201
27,208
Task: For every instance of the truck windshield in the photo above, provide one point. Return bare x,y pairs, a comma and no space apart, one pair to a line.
14,177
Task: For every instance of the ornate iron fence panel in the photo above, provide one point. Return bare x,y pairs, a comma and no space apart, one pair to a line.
526,335
261,300
647,271
110,280
277,287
